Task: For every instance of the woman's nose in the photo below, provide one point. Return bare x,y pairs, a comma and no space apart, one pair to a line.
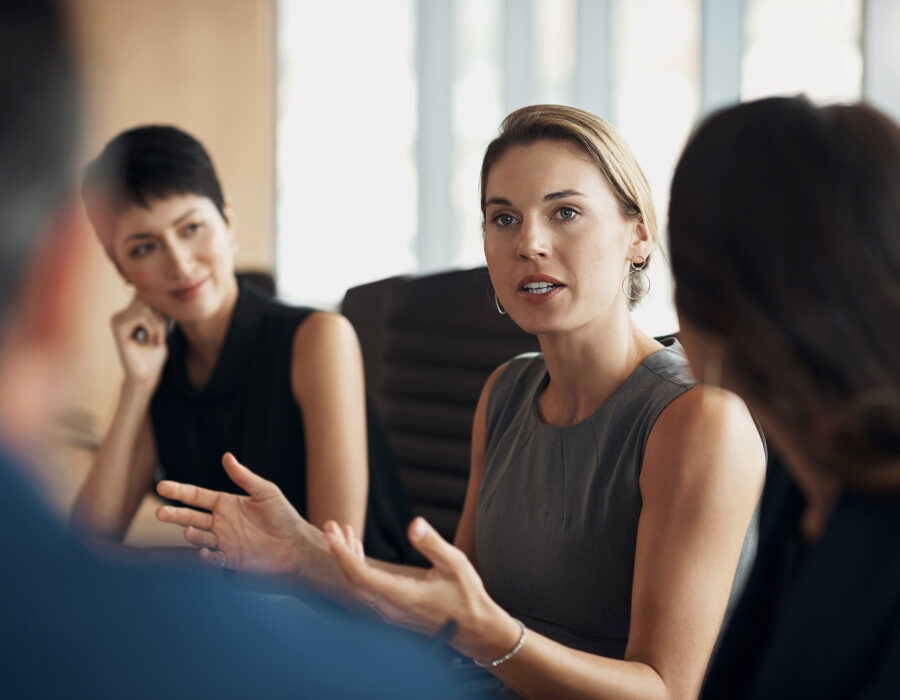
180,260
533,240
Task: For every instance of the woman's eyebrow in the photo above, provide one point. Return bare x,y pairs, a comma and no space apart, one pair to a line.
184,216
498,200
562,194
139,234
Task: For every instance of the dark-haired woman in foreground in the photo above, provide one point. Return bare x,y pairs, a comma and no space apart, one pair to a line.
608,498
785,237
213,365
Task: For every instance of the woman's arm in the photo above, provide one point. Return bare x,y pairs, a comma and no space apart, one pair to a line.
123,468
261,532
121,472
703,473
465,530
700,480
327,383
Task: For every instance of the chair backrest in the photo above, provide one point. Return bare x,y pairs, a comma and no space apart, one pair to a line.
429,343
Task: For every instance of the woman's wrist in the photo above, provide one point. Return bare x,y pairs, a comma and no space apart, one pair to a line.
490,635
313,562
493,663
139,390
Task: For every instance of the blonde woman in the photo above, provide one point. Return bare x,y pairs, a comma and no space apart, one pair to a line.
608,498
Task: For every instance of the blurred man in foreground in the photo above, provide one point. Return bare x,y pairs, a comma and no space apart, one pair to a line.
73,625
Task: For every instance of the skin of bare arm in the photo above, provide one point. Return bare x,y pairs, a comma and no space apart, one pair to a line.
327,382
123,468
701,478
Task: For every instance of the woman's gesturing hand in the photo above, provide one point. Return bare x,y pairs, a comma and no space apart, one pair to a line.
451,591
260,532
140,334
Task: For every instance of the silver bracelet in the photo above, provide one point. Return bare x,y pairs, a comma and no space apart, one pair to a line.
508,655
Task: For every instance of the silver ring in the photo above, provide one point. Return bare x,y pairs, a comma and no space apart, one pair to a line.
374,603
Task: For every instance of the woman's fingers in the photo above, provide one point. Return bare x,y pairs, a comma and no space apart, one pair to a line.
188,494
201,538
358,547
139,315
252,483
399,599
341,549
213,556
353,542
185,517
435,548
346,536
395,588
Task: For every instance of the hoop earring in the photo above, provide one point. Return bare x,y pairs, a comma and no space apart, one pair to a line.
636,280
500,309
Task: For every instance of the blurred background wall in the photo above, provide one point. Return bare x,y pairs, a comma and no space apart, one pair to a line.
348,134
385,108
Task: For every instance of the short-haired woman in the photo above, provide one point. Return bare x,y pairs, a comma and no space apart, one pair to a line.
212,365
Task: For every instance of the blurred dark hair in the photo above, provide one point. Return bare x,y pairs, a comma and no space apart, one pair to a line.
39,127
785,243
152,162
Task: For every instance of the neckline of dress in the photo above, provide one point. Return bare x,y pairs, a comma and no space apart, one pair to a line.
240,339
648,363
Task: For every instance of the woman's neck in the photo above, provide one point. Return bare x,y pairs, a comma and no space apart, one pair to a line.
587,365
205,339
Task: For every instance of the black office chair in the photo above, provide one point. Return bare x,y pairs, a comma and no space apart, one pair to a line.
429,343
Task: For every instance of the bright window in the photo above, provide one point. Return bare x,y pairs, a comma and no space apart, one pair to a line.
656,99
803,46
353,161
346,131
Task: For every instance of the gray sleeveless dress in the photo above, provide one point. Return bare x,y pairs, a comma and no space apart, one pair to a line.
558,508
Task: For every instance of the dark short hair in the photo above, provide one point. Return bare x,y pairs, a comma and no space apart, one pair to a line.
784,227
153,162
39,126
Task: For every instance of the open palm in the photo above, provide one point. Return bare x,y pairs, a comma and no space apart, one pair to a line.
450,596
260,532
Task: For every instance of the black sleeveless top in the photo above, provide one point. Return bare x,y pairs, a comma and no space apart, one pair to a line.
247,408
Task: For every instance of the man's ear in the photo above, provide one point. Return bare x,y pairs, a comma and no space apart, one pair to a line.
51,289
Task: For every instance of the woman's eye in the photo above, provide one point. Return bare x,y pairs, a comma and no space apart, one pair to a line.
141,250
504,220
567,214
192,228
